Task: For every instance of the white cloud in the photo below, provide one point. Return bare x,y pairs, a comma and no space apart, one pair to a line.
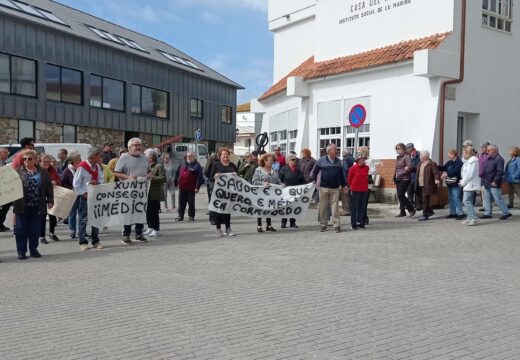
254,5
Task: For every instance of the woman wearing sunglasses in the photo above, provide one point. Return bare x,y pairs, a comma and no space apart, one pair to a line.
38,196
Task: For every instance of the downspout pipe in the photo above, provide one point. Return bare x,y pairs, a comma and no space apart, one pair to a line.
451,82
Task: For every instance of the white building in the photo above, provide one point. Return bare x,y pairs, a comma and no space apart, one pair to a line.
431,72
248,127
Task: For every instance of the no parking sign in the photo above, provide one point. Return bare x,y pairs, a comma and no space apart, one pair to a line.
357,115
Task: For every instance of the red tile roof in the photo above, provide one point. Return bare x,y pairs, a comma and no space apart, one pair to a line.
386,55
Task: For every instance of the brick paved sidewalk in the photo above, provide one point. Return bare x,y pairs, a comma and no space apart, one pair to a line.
401,289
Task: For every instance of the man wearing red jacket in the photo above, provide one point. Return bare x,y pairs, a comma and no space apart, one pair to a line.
188,179
358,182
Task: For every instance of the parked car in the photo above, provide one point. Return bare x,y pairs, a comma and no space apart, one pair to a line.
179,150
50,149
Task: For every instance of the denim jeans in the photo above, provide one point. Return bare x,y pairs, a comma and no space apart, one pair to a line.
73,216
496,193
83,219
27,230
454,200
358,214
469,197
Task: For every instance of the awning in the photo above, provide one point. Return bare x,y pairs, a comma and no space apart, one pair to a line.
168,141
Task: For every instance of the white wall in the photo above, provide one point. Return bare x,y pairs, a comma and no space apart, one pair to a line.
280,8
339,36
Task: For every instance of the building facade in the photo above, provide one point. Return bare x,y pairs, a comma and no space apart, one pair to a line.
433,73
67,76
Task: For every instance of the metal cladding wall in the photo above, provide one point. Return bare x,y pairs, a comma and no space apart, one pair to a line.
46,45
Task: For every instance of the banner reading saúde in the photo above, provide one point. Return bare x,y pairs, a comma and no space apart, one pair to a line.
234,195
11,188
119,203
63,202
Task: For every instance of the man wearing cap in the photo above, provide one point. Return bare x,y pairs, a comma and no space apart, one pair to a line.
415,157
108,154
88,173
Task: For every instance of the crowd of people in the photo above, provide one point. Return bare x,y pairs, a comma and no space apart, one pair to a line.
417,178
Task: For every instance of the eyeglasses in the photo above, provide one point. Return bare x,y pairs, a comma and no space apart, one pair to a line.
28,159
292,159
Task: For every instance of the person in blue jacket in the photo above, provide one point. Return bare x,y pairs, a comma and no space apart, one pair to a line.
451,176
512,175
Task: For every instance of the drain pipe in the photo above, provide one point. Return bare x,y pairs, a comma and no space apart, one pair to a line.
451,82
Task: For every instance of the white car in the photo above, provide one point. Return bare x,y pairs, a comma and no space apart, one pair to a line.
50,149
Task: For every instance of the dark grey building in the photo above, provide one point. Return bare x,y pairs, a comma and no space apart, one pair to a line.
67,76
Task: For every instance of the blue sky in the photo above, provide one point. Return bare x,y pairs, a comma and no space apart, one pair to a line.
230,36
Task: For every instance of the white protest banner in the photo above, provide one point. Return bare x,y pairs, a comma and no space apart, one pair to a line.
11,188
119,203
234,195
63,201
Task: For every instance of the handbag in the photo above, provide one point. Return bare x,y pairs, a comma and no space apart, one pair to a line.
451,180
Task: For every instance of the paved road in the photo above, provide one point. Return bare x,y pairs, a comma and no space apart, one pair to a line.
399,290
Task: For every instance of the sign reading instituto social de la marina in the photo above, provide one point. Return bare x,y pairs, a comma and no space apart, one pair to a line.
360,9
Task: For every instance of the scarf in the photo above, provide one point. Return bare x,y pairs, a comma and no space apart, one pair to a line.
94,173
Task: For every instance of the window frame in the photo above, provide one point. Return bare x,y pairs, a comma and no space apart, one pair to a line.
167,117
102,93
82,85
199,112
10,74
497,15
226,107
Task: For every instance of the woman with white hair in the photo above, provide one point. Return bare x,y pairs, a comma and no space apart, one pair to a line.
157,180
428,179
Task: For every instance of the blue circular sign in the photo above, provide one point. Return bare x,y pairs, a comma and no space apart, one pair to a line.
357,115
198,135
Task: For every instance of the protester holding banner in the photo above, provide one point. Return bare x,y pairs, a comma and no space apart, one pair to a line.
45,164
224,166
189,179
4,154
290,175
249,166
38,196
88,173
157,179
332,178
133,165
66,181
358,182
265,175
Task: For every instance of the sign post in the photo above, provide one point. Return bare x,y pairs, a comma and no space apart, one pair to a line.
198,135
356,118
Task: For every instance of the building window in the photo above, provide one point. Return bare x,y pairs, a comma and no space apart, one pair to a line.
69,133
196,108
25,129
64,84
17,75
293,134
149,102
363,137
107,93
156,139
227,114
331,135
273,136
283,135
496,14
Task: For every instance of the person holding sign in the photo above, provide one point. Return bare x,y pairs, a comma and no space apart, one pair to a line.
224,166
38,197
133,165
265,175
290,175
45,164
88,173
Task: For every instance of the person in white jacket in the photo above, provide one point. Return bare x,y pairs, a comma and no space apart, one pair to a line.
470,183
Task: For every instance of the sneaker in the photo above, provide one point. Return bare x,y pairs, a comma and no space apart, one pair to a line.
53,237
126,240
191,218
270,228
43,240
147,231
353,227
83,247
259,229
412,214
179,219
472,222
323,228
105,230
505,217
219,233
230,233
140,238
97,246
72,235
153,233
465,222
